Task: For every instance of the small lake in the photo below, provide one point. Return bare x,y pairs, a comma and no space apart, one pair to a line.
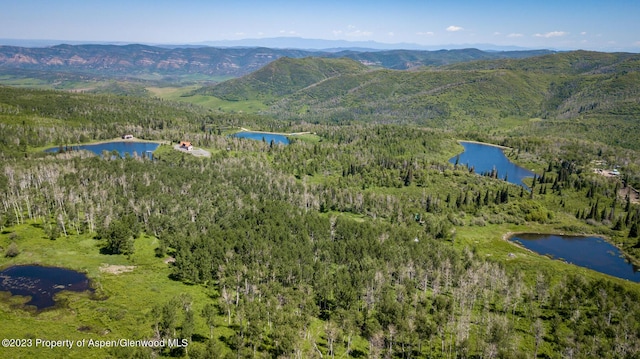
41,283
590,252
123,147
267,137
484,158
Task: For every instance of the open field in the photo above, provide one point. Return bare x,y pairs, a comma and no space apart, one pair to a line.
183,94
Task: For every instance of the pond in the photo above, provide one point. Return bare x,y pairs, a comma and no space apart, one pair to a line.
590,252
41,283
485,158
260,136
123,147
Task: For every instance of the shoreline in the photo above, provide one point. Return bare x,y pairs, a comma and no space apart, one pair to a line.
242,129
510,234
485,143
503,148
100,142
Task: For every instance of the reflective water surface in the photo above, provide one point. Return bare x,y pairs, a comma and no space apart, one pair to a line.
41,283
590,252
486,158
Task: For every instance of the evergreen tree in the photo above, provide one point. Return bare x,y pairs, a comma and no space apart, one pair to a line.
633,231
209,314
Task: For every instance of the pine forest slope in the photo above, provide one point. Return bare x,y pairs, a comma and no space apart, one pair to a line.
564,63
418,96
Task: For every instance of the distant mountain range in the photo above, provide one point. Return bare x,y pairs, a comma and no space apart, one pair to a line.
341,45
143,60
278,43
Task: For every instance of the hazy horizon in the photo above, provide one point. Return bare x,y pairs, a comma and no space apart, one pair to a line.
275,42
569,25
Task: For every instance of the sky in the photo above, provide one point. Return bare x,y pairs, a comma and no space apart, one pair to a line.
612,25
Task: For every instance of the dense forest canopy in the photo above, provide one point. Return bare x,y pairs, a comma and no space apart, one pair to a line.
358,239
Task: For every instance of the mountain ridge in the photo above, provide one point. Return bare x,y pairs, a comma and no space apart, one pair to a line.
139,60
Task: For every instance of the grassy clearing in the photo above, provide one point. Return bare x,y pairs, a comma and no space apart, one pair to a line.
252,106
122,304
24,82
183,79
181,94
51,84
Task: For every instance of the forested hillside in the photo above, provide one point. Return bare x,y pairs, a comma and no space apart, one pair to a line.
283,77
562,63
565,85
358,239
436,98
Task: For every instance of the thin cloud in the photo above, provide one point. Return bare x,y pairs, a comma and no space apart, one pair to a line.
359,33
428,33
353,31
551,34
513,35
290,32
454,28
583,33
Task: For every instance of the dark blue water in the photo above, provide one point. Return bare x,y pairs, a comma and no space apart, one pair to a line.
121,146
41,283
485,158
259,136
590,252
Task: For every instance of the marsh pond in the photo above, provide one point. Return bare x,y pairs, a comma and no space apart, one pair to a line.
41,283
